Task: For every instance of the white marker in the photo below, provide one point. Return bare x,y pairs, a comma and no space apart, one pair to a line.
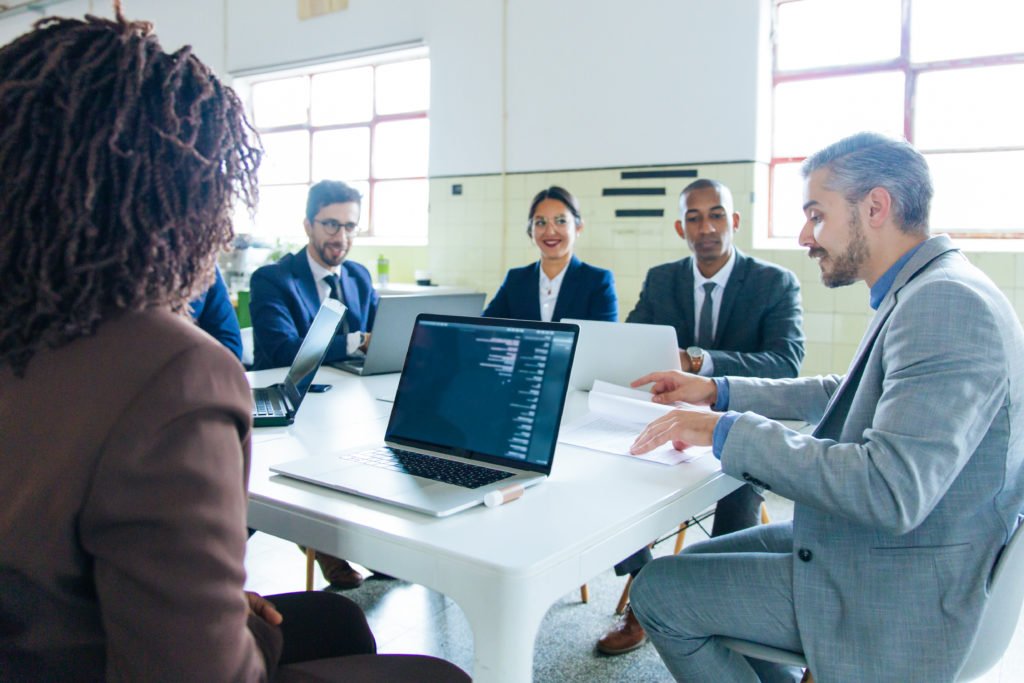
505,495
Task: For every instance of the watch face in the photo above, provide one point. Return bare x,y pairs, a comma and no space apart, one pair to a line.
694,352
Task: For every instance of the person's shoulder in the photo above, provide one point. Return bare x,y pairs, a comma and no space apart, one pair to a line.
668,270
355,268
765,269
594,271
282,268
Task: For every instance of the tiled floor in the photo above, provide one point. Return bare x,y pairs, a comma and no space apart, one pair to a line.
412,619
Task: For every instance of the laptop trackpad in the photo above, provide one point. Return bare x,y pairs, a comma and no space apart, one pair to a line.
380,482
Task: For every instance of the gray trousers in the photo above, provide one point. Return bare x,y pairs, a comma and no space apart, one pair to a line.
739,585
738,510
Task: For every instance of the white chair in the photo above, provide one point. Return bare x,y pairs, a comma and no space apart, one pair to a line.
996,630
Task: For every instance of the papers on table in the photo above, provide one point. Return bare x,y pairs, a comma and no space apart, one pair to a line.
616,417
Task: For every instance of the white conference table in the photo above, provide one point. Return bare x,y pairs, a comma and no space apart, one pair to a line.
504,566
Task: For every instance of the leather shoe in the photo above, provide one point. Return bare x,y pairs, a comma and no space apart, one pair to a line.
625,636
339,573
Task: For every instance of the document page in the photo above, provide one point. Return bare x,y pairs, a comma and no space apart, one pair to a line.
616,416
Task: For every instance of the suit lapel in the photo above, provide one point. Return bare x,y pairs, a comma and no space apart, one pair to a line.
566,293
309,295
683,291
733,287
533,293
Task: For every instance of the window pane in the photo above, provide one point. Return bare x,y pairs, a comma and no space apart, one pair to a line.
363,188
281,212
949,29
787,200
280,103
400,209
817,33
965,182
286,159
342,96
400,148
812,114
979,107
403,86
341,154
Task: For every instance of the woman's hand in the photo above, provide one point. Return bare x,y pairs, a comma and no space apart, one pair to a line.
263,608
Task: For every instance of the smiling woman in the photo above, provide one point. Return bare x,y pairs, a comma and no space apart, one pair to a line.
559,285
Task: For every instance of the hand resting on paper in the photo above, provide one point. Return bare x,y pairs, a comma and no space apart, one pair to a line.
684,428
671,386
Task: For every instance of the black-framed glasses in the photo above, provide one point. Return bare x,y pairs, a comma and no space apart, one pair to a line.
331,226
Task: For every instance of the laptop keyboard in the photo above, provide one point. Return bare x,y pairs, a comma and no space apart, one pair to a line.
265,403
427,466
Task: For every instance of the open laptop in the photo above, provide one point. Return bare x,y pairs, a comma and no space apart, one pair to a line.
621,352
477,409
277,404
392,327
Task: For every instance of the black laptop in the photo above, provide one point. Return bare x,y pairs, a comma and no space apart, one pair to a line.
276,405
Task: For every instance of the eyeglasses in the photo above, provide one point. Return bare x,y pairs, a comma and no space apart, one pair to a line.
331,226
541,221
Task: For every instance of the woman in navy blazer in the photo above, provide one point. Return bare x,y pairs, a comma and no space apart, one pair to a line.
559,285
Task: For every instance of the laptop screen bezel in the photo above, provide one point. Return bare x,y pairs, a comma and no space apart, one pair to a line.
479,456
330,311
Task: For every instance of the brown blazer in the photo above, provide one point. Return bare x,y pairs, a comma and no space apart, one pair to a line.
123,458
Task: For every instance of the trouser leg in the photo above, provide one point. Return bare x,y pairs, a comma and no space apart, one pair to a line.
739,585
318,624
739,510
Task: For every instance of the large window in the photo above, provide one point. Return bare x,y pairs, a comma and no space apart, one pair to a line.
946,74
362,121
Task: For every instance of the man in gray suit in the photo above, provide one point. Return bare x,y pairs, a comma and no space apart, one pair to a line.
908,488
733,315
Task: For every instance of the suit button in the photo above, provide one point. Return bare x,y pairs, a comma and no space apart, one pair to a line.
805,555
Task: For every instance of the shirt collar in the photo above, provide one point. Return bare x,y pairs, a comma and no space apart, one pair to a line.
720,278
884,283
319,272
554,281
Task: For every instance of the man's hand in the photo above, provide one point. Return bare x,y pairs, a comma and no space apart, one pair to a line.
671,386
263,608
682,427
366,343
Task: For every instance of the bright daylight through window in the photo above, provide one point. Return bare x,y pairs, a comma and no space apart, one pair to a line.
363,121
945,74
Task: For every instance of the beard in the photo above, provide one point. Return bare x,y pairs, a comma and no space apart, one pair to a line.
331,259
844,269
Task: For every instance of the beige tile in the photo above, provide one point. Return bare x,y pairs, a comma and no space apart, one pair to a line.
852,299
848,328
818,360
817,298
1002,268
819,327
842,354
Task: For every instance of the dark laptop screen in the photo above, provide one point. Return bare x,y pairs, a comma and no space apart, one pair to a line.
313,349
486,389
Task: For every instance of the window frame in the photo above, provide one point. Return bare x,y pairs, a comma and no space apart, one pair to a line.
244,84
911,70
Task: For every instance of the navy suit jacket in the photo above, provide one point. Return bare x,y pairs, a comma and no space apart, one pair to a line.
213,312
283,300
587,293
759,331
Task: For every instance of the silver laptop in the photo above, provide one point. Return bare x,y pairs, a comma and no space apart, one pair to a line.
621,352
392,327
477,409
277,404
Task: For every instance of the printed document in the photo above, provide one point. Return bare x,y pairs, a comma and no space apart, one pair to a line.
616,417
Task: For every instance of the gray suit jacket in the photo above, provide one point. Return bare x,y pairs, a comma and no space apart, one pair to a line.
912,481
758,333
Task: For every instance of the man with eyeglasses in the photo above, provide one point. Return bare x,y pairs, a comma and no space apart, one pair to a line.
285,296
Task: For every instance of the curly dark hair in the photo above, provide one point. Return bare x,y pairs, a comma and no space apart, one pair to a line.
119,168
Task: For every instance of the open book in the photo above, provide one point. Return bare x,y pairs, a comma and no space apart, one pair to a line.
616,417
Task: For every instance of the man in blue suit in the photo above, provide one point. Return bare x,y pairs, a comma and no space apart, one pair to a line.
285,296
213,312
911,483
733,315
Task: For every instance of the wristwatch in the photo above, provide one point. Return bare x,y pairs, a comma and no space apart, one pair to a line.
696,355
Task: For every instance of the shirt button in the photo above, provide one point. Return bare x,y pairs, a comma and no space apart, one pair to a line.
805,555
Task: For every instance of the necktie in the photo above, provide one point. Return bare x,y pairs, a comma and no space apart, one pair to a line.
704,331
334,284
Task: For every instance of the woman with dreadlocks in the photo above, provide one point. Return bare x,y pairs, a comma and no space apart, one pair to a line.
124,429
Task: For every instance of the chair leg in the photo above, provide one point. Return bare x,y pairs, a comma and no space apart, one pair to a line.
808,678
624,598
680,537
584,593
765,519
310,561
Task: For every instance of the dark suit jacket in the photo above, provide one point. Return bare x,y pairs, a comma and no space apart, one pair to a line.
213,312
759,331
283,301
587,293
123,523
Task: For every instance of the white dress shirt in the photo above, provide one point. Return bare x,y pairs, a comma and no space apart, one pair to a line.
549,288
354,339
720,279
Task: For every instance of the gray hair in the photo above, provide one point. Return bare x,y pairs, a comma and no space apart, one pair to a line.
862,162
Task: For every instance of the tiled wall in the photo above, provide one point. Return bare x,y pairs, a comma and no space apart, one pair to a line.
471,244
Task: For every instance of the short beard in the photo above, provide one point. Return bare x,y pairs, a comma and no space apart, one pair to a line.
846,267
